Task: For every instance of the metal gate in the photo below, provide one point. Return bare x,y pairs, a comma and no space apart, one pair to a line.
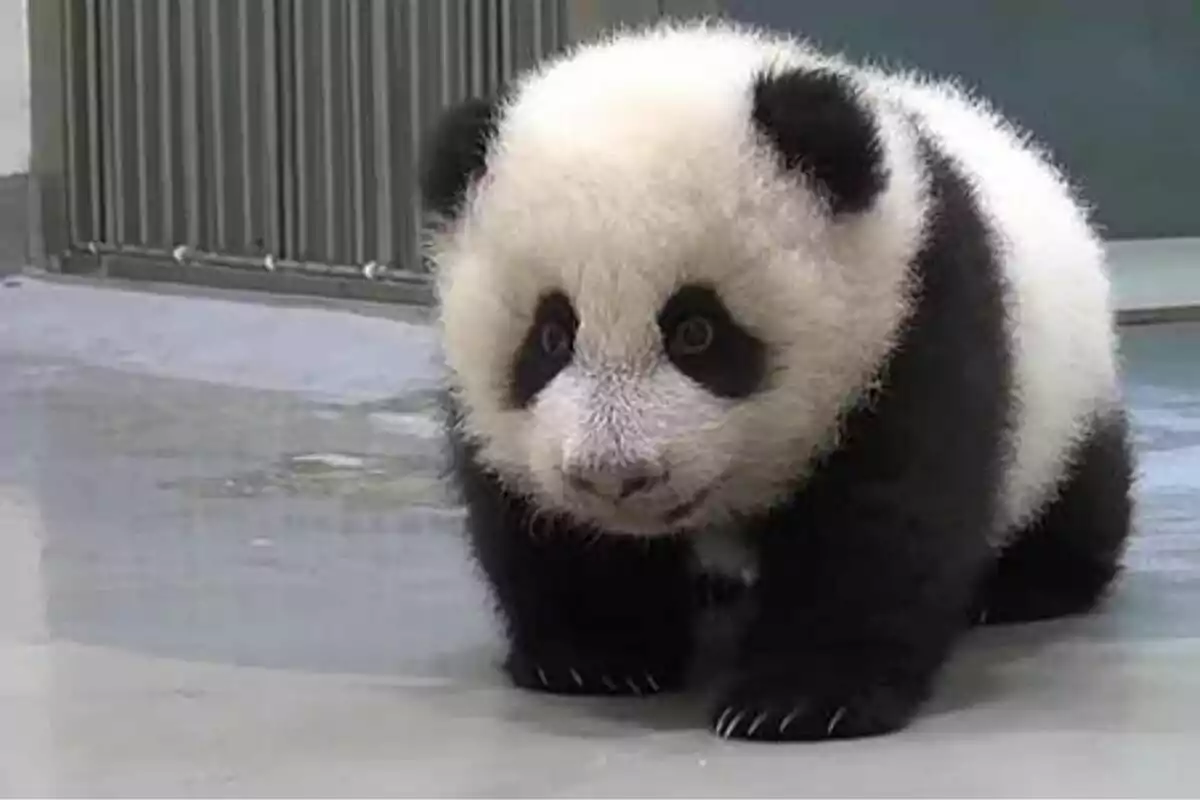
273,137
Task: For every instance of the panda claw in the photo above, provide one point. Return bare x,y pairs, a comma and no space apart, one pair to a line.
835,719
757,722
582,674
721,720
733,724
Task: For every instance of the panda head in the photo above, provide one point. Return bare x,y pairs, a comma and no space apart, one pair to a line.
666,263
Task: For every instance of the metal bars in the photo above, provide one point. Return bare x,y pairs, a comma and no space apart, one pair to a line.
273,131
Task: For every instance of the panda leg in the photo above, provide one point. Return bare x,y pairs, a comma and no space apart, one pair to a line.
1065,561
588,613
584,613
857,606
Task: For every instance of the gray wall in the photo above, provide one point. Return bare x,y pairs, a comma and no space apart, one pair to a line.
1112,86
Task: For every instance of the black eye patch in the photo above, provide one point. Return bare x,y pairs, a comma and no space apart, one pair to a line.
548,347
707,344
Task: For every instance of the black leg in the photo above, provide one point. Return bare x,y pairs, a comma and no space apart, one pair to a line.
857,610
866,577
1066,560
584,613
592,616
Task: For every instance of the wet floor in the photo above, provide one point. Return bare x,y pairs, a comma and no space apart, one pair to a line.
228,569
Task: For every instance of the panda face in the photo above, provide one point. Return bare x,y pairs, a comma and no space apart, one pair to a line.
624,441
651,320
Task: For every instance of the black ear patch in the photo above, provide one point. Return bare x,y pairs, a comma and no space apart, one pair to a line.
455,154
817,124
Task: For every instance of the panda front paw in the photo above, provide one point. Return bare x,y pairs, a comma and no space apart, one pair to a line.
773,708
574,673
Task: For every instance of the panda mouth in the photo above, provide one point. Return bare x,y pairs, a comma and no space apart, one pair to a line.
684,510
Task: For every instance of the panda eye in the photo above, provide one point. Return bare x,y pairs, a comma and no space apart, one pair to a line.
692,337
554,339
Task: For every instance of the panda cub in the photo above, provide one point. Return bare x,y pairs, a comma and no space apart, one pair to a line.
712,299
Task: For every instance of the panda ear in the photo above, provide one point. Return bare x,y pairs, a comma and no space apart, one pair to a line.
817,124
455,154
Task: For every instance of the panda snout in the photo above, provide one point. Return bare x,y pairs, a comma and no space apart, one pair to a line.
616,482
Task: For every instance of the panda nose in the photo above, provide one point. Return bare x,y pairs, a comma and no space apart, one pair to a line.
615,481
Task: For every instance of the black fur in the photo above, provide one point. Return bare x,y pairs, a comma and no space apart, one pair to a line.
816,123
533,366
584,613
455,155
735,363
866,576
1066,560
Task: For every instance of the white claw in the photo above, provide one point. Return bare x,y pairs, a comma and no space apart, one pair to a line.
783,726
576,677
608,683
733,723
721,720
757,721
834,720
650,680
983,615
542,677
636,689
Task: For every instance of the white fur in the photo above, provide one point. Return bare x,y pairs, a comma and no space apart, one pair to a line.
630,166
1060,316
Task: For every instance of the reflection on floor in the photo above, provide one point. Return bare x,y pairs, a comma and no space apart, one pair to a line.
227,570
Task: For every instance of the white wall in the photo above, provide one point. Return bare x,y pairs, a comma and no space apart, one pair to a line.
14,88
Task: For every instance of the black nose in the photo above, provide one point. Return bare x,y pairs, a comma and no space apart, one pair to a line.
615,482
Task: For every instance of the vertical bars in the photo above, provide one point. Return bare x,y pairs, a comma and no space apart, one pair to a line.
415,121
359,128
477,49
271,119
213,126
445,48
332,117
250,211
95,154
141,89
79,187
288,183
148,204
193,208
302,124
381,51
284,127
168,152
110,76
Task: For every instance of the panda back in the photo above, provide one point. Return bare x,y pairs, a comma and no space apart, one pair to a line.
1059,315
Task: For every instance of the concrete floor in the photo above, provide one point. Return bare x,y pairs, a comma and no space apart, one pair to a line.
227,570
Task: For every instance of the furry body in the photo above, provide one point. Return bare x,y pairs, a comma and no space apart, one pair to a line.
711,298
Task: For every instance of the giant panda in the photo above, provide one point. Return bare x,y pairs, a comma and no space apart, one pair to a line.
710,298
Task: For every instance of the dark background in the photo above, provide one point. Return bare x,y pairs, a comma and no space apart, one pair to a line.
1111,86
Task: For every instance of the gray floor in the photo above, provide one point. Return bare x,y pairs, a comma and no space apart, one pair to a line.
227,570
